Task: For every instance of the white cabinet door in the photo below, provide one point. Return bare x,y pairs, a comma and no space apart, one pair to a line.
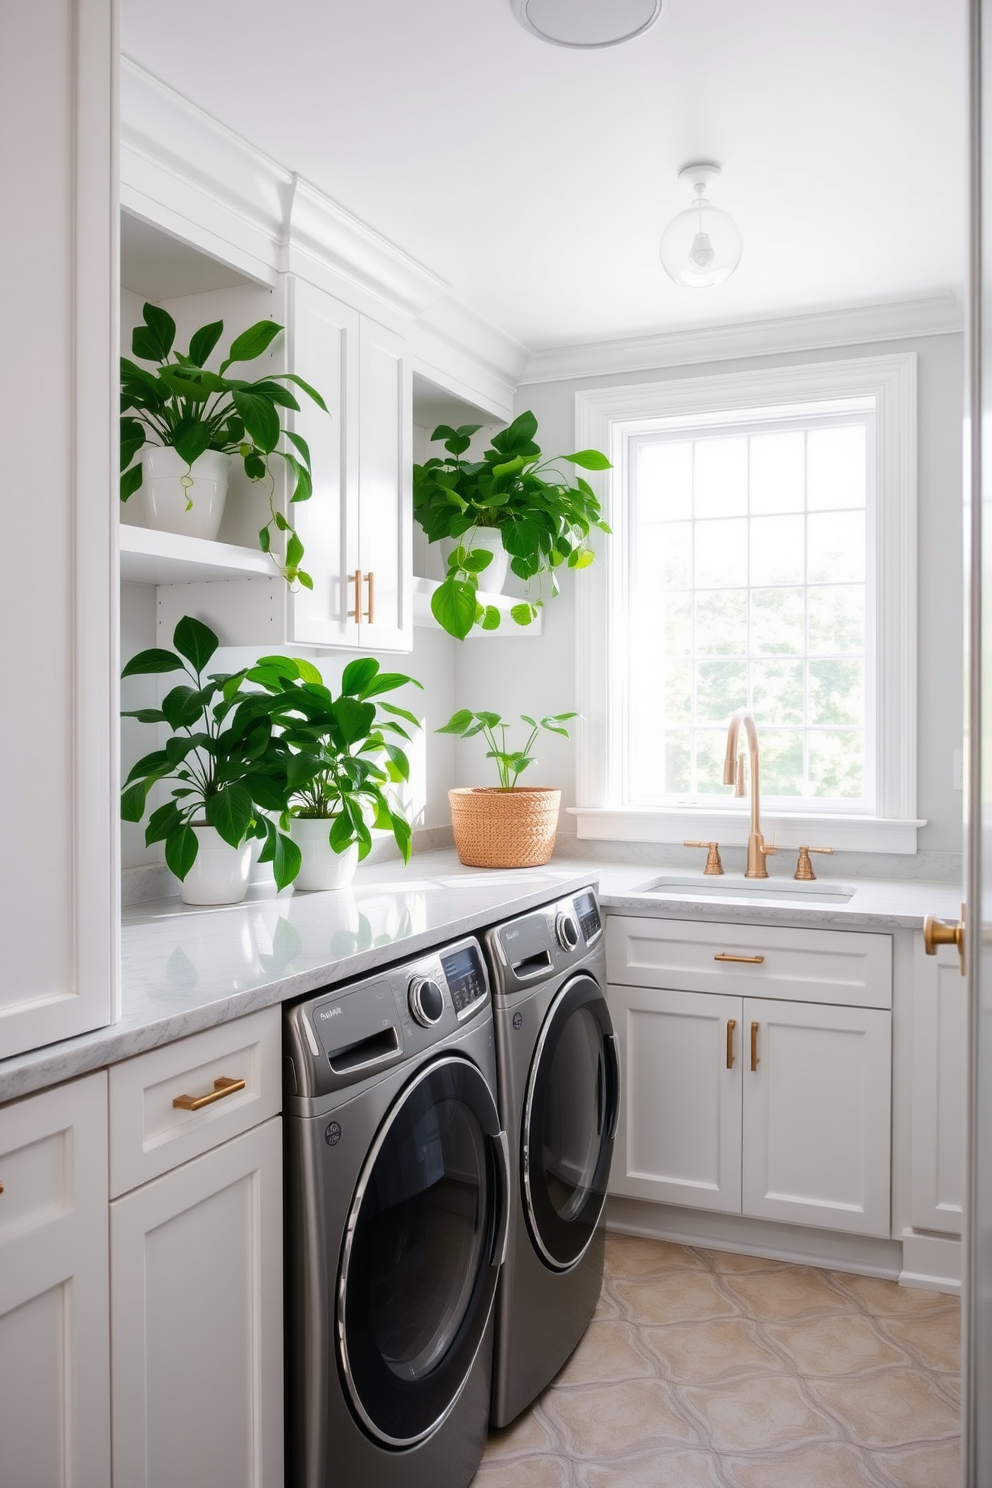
679,1136
385,497
58,164
939,1139
196,1286
54,1303
816,1115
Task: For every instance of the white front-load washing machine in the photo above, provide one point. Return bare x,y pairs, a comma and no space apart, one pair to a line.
397,1188
559,1093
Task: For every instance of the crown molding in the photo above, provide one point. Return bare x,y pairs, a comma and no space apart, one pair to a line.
485,362
896,320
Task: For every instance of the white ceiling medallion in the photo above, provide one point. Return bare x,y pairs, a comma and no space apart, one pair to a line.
587,23
702,245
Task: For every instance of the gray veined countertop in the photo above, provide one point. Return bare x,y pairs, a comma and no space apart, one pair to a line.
186,969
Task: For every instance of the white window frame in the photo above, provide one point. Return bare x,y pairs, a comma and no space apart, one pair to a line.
605,417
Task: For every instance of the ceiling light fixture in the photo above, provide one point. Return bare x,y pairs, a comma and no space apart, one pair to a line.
702,245
587,23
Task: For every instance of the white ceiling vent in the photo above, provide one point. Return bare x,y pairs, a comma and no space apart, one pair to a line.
587,23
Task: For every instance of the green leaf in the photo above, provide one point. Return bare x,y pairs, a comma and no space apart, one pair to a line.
309,672
191,444
523,614
130,481
155,765
203,342
311,392
358,674
251,343
255,467
286,860
154,660
400,761
401,712
153,341
195,641
588,460
182,707
294,551
301,446
264,540
458,722
491,618
353,718
476,560
230,811
453,605
145,715
133,800
260,419
181,848
162,823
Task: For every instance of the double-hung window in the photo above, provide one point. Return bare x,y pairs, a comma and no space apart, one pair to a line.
763,557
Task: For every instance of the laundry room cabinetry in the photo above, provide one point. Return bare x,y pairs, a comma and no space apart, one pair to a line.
54,1333
196,1260
939,1137
757,1070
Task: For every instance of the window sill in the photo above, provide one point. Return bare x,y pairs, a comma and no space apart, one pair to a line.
781,829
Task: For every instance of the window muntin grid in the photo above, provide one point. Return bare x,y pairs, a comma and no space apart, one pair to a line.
750,581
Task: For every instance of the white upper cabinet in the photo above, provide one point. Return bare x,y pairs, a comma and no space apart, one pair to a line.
58,601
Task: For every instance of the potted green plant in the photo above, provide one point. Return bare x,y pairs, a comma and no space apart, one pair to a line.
181,422
343,762
228,770
508,500
509,825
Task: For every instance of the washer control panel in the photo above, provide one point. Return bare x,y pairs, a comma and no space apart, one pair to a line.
466,976
426,1001
588,912
566,930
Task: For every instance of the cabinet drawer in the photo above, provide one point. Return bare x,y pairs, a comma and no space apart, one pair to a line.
149,1134
842,967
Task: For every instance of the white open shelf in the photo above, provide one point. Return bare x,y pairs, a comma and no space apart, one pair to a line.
424,588
149,557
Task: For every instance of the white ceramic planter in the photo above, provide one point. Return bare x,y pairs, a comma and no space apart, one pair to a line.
166,498
492,578
220,873
322,867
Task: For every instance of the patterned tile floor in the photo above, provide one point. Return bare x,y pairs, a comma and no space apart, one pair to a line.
706,1370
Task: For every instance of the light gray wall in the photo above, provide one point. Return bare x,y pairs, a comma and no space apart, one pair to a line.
538,675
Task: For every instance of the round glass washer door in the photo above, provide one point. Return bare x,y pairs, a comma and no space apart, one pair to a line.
570,1122
421,1254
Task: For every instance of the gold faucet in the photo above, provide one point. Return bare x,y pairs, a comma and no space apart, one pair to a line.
733,774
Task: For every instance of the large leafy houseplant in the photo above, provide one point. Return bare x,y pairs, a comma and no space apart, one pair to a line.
227,766
343,758
543,516
181,403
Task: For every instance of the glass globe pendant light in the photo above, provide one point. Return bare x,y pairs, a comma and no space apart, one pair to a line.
702,245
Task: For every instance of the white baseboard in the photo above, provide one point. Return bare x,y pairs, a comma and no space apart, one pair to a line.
864,1255
931,1262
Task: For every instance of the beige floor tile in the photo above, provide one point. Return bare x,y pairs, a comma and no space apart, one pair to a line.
659,1470
530,1432
630,1418
936,1466
728,1260
524,1472
836,1345
935,1340
889,1299
673,1297
820,1465
758,1414
890,1408
609,1351
633,1255
720,1349
794,1292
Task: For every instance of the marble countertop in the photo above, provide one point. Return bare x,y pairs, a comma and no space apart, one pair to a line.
186,969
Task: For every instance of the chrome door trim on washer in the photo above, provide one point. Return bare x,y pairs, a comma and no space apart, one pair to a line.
607,1117
494,1239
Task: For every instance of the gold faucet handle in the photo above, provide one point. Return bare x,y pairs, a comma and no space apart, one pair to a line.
804,868
713,864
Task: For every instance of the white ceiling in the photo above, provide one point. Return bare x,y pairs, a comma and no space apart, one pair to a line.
537,180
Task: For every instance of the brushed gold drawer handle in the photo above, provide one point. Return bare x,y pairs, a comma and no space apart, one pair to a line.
1,1188
356,613
222,1087
370,580
747,960
754,1048
731,1025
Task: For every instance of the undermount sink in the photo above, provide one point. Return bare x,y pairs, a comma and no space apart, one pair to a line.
732,886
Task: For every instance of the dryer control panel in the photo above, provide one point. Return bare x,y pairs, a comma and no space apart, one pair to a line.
544,943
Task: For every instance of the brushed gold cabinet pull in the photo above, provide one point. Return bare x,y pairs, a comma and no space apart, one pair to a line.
356,613
746,960
944,932
222,1088
754,1047
1,1188
731,1025
371,609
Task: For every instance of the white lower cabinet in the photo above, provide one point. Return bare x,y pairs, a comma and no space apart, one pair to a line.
196,1262
54,1337
766,1107
940,1009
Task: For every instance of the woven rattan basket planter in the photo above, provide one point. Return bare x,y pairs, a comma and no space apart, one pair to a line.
505,829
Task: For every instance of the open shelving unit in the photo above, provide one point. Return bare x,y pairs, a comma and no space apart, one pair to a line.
149,557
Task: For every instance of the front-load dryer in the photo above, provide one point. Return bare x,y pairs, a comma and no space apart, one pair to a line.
397,1204
559,1091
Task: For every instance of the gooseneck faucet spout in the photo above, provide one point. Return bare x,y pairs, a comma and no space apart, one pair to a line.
733,774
